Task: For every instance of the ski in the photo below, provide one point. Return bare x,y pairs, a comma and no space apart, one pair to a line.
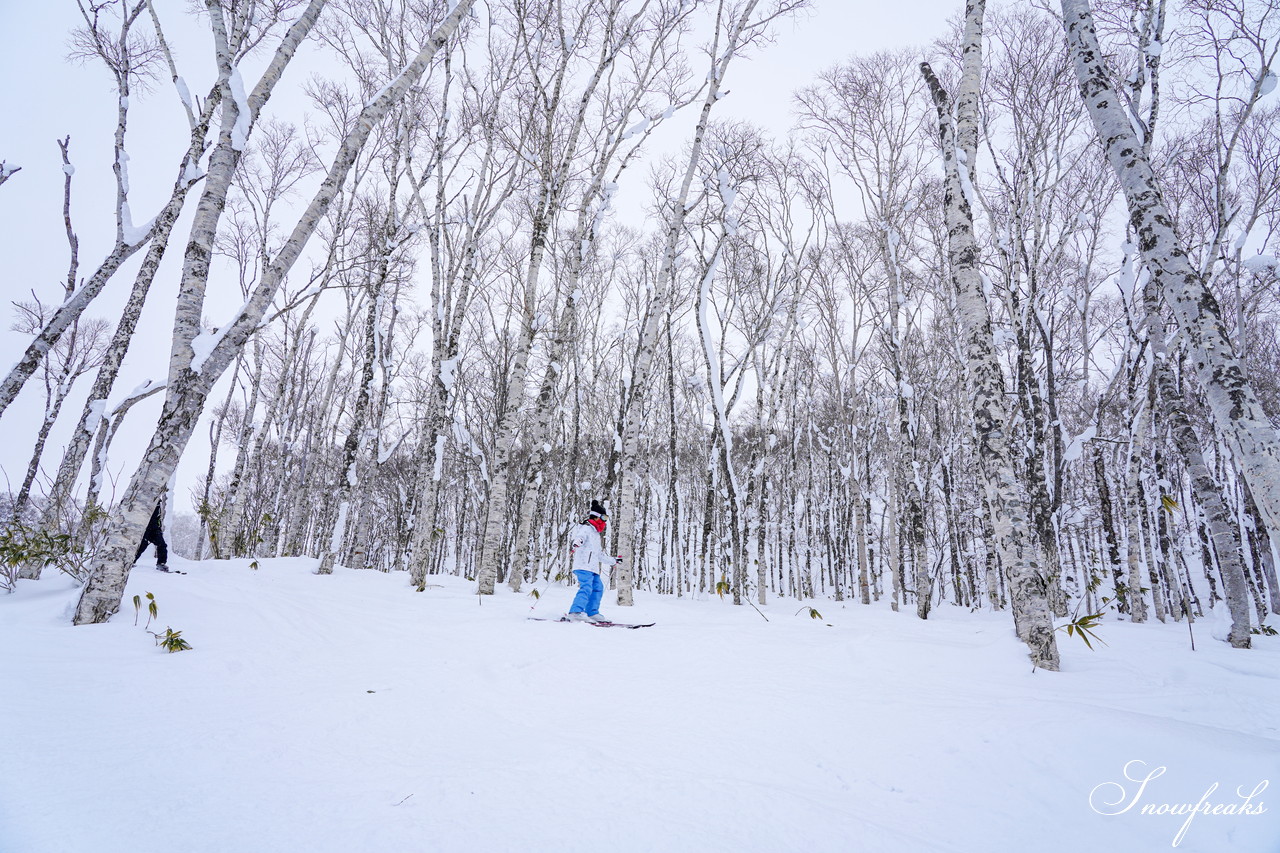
597,624
168,571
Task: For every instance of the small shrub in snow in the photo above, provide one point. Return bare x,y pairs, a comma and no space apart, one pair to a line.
77,561
21,545
152,610
171,640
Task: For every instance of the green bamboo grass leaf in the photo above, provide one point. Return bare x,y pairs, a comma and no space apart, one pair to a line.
172,641
1084,628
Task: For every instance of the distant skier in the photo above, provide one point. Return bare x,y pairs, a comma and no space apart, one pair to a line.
155,536
589,560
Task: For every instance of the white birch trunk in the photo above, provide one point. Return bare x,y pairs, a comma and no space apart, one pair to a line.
82,436
860,523
354,445
893,546
446,330
1223,530
554,182
508,426
632,433
244,445
594,203
1013,537
108,426
1232,401
102,595
1134,511
120,56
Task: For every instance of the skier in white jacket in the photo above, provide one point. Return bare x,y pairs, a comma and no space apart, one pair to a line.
589,561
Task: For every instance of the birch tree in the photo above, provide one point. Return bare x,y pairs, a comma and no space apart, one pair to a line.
1231,397
191,378
958,133
793,233
378,267
270,171
1047,204
131,59
1208,494
78,445
647,45
1228,128
734,29
867,115
562,122
75,353
474,194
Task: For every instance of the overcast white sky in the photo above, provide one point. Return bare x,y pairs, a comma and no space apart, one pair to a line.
43,98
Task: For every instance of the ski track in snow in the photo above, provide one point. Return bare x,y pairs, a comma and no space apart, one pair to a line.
349,713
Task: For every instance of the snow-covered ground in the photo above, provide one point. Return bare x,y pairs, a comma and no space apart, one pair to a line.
348,713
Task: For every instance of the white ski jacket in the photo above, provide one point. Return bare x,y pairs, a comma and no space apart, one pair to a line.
588,550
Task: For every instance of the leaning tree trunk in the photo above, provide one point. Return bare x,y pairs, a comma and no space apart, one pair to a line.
1232,401
128,239
108,425
1014,539
58,392
1223,531
82,436
1268,560
190,385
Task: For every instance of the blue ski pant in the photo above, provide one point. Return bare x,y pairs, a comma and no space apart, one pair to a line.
590,591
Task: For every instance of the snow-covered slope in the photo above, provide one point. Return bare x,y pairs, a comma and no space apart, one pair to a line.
348,713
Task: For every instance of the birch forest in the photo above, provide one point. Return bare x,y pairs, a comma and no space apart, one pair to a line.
989,323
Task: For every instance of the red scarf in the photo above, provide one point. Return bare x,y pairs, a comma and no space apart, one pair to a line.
598,524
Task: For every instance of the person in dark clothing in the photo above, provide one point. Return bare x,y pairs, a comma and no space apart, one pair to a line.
155,536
